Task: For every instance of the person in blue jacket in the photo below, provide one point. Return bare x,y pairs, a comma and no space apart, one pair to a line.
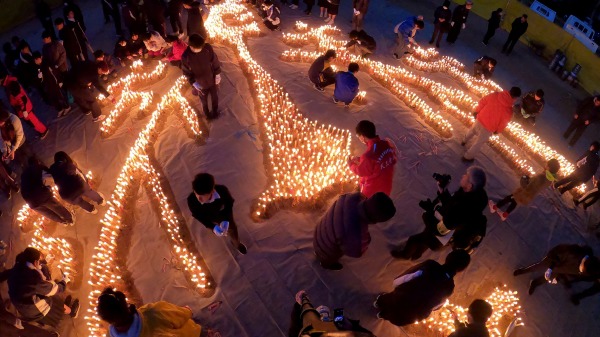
346,85
406,31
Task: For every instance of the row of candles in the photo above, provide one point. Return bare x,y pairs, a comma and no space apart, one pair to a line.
304,157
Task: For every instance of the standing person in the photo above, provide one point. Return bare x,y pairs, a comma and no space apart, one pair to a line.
361,43
441,23
22,105
133,17
333,7
518,28
309,6
34,294
589,197
195,23
421,289
11,57
564,262
375,166
111,9
44,14
493,24
405,32
320,72
587,165
483,67
346,85
344,229
478,313
323,4
212,205
531,106
73,39
178,47
54,55
82,81
174,8
524,194
272,17
26,69
71,6
494,111
154,11
201,65
587,112
52,83
459,21
72,183
152,319
360,10
35,190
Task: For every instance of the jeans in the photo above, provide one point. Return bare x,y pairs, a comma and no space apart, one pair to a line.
90,194
55,211
480,135
214,97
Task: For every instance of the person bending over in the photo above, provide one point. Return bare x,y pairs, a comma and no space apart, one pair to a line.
346,85
320,72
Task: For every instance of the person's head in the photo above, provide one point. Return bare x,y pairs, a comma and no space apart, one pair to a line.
479,311
37,57
353,67
469,4
134,36
203,186
103,68
268,3
30,255
378,208
474,179
34,161
59,23
330,55
597,100
515,92
16,41
114,309
146,36
99,55
446,4
14,88
539,94
595,146
365,130
4,115
419,24
590,265
196,43
62,157
553,166
492,63
523,17
24,47
353,35
171,38
499,10
70,13
122,41
46,36
457,261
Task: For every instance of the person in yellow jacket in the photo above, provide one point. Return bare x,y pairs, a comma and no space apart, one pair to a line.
159,319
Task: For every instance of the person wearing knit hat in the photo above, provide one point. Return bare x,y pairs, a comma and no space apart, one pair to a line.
479,312
344,229
441,23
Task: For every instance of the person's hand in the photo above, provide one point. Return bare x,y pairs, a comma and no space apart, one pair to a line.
218,79
452,23
188,307
549,277
356,12
586,122
60,84
464,25
197,86
300,295
576,116
11,155
65,278
25,114
441,19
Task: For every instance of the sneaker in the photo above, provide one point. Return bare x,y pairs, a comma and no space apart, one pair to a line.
94,211
242,249
74,308
327,19
320,15
396,56
503,215
99,118
493,207
292,6
430,41
18,324
43,135
318,88
103,199
87,112
335,100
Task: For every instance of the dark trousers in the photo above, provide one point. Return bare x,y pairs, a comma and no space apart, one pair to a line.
214,97
327,77
512,203
491,31
510,43
88,105
567,183
175,17
589,198
55,211
578,127
270,25
81,202
49,26
158,24
309,7
439,32
454,32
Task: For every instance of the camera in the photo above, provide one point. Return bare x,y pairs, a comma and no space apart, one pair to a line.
442,179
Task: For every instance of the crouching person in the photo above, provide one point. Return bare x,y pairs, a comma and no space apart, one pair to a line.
344,229
346,85
272,15
320,72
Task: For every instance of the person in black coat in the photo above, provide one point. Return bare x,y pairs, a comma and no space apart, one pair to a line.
54,55
81,81
133,17
73,39
441,23
175,8
320,72
344,229
421,289
459,20
110,8
484,67
26,69
361,43
212,205
477,315
35,190
137,47
493,24
154,11
71,6
44,13
52,85
567,263
519,27
587,165
459,219
201,66
195,23
588,112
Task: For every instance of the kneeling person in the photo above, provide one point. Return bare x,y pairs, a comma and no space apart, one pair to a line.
320,72
346,85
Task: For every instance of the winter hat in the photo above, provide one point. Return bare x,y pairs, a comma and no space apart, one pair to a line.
379,207
446,3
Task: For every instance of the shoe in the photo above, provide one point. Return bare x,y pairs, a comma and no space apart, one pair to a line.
74,308
518,272
213,115
467,160
18,324
43,135
335,100
292,6
318,88
320,15
94,211
327,19
347,106
493,207
68,300
532,286
399,254
463,143
99,118
87,113
242,249
60,113
103,199
503,215
333,266
396,56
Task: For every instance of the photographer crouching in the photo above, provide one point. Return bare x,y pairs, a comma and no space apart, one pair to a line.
456,218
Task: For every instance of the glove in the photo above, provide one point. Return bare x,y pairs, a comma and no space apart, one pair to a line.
549,277
452,23
25,114
224,226
197,86
356,12
218,231
464,26
218,79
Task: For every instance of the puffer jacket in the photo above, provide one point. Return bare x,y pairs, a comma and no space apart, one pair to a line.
343,230
201,67
494,111
346,87
376,167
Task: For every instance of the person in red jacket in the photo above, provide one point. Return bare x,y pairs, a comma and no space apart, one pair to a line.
22,104
178,46
493,113
375,167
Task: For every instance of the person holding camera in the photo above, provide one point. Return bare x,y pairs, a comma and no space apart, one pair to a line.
375,166
458,217
421,289
493,113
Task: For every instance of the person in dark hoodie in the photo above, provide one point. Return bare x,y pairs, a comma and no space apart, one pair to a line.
201,66
122,52
35,296
588,112
421,289
518,28
82,81
212,205
483,67
361,43
175,7
459,217
26,69
52,85
154,11
344,229
587,165
133,17
459,21
73,39
55,55
71,6
493,24
346,85
72,183
477,315
35,190
320,72
441,22
195,23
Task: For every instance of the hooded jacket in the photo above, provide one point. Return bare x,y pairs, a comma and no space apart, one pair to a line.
376,167
55,54
33,190
69,180
195,23
494,111
346,87
201,67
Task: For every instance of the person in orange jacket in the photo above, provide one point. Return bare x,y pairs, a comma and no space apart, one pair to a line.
22,104
493,113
